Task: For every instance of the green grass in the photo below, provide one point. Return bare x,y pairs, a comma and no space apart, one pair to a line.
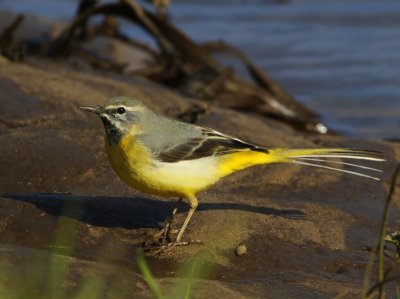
383,276
188,272
148,276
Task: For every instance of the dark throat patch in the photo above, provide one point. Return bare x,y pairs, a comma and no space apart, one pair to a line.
113,133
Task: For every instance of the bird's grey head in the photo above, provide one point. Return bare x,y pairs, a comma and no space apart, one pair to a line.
118,116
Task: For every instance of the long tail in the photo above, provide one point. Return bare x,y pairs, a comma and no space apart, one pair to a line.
326,158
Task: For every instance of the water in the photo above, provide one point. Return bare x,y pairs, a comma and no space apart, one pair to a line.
340,58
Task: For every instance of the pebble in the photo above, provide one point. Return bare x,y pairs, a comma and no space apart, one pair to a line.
241,249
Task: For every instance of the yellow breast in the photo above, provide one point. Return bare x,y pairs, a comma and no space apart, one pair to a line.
135,165
131,161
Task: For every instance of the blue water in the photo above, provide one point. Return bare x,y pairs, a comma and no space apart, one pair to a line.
341,58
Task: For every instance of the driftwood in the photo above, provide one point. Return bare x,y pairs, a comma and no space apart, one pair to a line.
8,46
190,68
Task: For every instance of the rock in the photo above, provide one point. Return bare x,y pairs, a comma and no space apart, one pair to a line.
241,249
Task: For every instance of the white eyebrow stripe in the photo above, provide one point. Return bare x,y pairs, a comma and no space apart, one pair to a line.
137,108
111,107
131,109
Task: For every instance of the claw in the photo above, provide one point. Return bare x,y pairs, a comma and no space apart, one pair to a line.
161,247
165,234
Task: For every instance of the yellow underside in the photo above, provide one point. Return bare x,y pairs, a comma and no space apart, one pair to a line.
241,160
135,166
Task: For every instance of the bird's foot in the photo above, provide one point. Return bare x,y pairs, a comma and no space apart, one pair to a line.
164,235
184,243
157,246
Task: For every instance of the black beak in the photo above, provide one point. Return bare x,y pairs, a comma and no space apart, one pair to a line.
94,109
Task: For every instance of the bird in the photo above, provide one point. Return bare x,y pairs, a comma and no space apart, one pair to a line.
169,158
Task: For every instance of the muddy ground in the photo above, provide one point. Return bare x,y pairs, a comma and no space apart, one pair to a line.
68,224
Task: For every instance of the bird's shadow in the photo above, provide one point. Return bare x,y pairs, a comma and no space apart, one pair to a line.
137,212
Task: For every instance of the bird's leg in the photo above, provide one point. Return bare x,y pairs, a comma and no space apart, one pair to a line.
167,227
193,205
165,231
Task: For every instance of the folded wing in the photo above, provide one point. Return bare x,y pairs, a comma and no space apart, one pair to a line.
210,143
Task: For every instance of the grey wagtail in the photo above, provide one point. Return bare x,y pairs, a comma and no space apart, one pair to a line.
169,158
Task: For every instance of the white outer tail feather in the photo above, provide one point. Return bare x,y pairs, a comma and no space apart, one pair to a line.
336,169
342,163
324,156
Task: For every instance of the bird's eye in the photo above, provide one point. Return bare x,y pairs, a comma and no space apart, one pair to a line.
121,110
